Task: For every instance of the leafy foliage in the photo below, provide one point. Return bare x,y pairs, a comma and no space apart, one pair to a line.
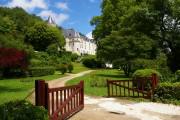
124,49
167,92
145,73
177,75
62,68
40,36
41,71
70,67
157,20
22,110
12,59
97,82
91,62
13,26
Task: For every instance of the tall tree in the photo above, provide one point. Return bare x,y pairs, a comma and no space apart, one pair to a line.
157,19
40,36
125,48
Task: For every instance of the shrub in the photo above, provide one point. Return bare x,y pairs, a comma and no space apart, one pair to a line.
14,72
138,74
62,68
177,74
74,57
1,74
43,58
167,92
52,49
22,110
41,71
70,67
145,73
12,59
97,82
91,62
167,75
36,63
143,64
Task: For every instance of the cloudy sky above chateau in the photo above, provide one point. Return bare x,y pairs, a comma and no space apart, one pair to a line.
66,13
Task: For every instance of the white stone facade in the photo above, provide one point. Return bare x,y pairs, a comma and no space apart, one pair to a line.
78,43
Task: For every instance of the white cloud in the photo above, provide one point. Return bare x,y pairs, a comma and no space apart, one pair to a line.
89,35
28,5
62,6
59,18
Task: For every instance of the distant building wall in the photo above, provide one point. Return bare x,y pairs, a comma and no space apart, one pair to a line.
77,43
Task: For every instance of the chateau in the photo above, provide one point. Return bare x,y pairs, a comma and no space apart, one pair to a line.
79,43
76,42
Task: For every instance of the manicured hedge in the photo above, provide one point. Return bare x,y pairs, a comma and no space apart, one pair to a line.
22,110
145,73
138,74
41,71
168,91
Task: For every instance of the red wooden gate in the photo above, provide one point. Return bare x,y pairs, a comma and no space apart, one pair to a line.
139,87
61,102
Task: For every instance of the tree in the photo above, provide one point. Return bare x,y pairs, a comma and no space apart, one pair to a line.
157,19
125,48
40,36
11,58
7,25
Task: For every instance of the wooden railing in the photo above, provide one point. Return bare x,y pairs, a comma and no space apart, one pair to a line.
139,87
61,102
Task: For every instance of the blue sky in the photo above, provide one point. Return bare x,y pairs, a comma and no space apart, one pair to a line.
67,13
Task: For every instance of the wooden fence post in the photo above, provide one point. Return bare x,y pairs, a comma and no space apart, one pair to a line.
39,92
154,84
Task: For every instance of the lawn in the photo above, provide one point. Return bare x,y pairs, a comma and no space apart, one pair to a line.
12,89
78,67
98,75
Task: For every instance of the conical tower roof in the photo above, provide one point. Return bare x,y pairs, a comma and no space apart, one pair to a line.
51,21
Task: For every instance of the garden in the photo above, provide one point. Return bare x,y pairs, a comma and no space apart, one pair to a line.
138,38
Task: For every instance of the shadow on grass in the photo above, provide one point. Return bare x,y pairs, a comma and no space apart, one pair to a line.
112,76
4,89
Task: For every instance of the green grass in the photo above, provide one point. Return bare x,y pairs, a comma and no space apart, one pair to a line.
78,67
100,75
13,89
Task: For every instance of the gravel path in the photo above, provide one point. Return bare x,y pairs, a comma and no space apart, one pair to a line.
98,108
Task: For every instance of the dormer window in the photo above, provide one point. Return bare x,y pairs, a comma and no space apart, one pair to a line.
69,34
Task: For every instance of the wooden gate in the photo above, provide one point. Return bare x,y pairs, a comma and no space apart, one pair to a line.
139,87
61,102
